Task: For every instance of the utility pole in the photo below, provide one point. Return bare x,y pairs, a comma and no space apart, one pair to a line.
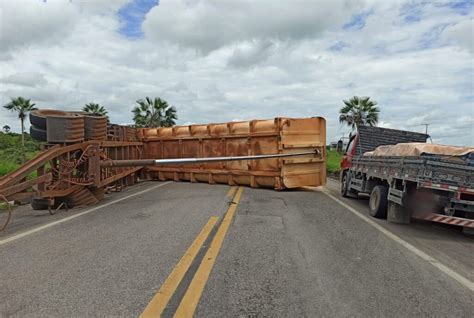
426,127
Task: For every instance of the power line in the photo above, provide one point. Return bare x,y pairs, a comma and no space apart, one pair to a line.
426,127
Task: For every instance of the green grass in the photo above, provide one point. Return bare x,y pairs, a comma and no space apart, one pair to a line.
333,161
10,151
7,166
3,206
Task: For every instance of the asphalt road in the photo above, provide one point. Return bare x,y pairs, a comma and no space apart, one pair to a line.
283,254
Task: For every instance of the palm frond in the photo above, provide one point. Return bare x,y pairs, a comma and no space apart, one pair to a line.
359,111
154,113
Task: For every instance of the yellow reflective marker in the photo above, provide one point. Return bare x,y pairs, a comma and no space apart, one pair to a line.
161,299
188,304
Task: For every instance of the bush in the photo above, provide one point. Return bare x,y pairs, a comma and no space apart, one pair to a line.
333,161
6,167
10,151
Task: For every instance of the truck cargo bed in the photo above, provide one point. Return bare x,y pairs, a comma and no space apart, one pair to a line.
428,168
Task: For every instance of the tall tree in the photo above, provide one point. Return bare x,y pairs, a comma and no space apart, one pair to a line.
6,129
359,111
22,106
154,113
95,109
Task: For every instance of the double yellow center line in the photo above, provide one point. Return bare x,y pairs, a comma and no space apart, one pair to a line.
190,300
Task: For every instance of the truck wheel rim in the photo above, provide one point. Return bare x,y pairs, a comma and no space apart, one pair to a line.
344,183
374,199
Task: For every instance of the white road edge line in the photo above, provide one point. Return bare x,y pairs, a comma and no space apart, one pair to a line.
448,271
43,227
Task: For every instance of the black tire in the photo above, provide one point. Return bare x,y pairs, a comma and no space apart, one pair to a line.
66,202
378,202
38,117
344,182
345,191
37,121
42,204
37,133
39,204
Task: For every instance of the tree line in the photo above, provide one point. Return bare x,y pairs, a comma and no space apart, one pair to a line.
147,112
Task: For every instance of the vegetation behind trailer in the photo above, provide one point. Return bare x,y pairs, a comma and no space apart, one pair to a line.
431,187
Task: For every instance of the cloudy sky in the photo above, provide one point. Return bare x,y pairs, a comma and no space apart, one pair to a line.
235,60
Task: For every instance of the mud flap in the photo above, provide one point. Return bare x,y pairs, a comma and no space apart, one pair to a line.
398,214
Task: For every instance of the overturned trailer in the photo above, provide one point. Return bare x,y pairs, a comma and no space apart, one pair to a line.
83,157
246,138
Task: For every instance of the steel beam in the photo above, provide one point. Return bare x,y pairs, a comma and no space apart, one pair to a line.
180,161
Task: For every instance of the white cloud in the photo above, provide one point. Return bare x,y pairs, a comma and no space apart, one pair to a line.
209,25
273,61
24,23
251,53
461,33
24,79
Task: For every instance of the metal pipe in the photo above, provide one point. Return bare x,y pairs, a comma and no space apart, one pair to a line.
162,162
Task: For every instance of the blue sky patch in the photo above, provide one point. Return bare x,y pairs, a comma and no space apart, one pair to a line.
358,21
463,7
132,15
412,12
429,38
339,46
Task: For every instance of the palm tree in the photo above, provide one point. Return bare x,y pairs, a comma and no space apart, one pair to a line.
359,111
95,109
6,129
154,113
22,106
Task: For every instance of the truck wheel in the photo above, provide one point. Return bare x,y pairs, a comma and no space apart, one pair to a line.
38,134
38,117
345,192
39,204
378,202
344,184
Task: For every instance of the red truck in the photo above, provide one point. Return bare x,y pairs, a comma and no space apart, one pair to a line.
437,188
